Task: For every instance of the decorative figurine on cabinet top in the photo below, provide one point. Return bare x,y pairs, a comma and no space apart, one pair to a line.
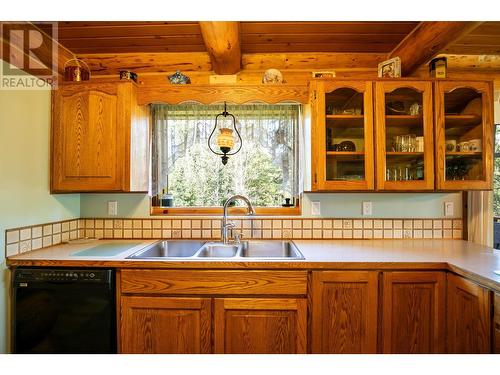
179,79
272,76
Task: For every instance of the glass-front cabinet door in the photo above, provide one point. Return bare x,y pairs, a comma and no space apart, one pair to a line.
404,135
342,135
464,135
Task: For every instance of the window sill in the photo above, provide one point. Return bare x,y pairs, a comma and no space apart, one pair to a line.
238,211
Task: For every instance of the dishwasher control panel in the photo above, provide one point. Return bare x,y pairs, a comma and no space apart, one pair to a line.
62,275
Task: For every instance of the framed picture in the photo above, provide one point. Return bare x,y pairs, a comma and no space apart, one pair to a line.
330,74
390,68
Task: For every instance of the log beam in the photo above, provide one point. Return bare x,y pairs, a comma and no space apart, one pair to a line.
222,40
426,41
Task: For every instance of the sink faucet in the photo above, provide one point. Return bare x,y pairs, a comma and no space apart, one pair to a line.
227,226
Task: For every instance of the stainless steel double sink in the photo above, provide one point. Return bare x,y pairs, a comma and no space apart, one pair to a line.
189,249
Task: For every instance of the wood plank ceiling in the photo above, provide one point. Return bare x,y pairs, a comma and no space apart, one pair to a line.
159,46
483,40
261,37
256,37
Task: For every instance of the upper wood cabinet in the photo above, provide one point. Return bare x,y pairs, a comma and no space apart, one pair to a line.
468,316
344,312
464,135
260,325
100,138
428,135
404,135
342,135
413,312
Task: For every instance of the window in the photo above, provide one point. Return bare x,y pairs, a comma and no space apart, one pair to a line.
265,169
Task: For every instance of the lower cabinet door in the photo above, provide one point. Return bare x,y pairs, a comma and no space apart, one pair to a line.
344,312
165,325
413,312
496,325
469,317
260,325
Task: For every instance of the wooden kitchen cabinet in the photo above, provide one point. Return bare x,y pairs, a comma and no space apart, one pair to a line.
404,134
269,315
260,325
165,325
464,135
342,135
468,316
496,325
344,312
100,138
413,312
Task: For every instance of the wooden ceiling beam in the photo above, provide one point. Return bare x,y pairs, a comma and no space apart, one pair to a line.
222,40
112,63
19,55
426,41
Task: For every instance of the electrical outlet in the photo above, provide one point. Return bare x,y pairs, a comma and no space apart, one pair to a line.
449,209
112,208
367,208
315,208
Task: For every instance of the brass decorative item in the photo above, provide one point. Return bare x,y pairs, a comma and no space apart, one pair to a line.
225,139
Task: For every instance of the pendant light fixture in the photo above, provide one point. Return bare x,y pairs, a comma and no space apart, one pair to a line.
225,139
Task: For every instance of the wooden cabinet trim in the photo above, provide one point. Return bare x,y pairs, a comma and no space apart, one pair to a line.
213,282
209,94
263,303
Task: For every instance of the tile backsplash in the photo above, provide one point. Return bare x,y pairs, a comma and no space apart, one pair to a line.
24,239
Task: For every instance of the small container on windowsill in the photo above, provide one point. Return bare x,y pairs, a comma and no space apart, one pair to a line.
166,200
287,203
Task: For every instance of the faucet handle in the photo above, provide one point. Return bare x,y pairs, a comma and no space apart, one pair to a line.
237,237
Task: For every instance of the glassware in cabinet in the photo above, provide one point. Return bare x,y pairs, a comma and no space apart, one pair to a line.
464,135
342,136
404,135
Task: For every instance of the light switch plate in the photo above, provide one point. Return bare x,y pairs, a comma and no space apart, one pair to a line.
367,208
112,208
315,208
449,209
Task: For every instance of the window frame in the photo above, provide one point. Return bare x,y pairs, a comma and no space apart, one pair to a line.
495,156
218,211
295,210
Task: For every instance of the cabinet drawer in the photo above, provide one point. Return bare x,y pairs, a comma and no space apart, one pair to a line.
213,282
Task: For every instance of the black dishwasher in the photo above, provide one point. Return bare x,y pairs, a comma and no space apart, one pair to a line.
60,311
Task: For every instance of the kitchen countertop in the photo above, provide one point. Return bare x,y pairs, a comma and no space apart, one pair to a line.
473,261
